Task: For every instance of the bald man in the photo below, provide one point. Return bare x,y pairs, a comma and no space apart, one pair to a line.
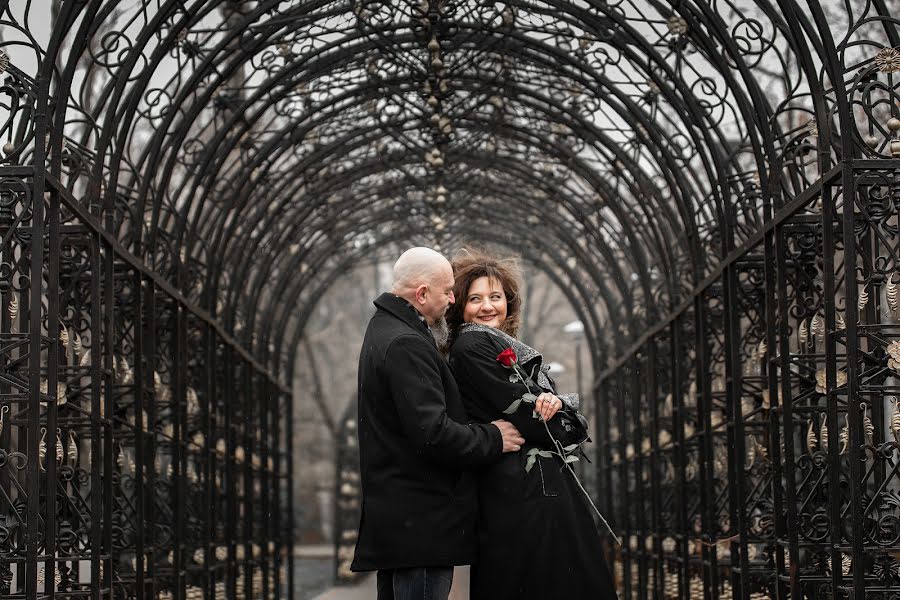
415,441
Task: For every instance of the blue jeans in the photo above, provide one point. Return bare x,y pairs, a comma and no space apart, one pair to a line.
420,583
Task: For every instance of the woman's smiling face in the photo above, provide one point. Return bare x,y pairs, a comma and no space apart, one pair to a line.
485,302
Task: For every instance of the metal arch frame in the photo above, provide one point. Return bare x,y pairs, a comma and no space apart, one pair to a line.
293,297
339,143
342,144
253,301
584,307
298,284
744,234
290,268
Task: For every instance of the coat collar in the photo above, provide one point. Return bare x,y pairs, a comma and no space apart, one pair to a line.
406,312
524,352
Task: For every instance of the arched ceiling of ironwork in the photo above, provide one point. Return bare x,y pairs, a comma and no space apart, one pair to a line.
252,150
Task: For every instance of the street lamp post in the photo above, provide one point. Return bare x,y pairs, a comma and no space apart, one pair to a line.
575,331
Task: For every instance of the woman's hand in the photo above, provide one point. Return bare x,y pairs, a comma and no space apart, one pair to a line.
547,405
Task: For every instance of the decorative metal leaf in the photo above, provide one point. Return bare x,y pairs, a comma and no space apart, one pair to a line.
193,403
844,436
895,420
890,291
73,449
64,338
42,448
14,306
868,426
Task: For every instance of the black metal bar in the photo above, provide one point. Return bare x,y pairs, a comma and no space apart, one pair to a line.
637,539
142,352
179,460
208,393
680,458
777,337
703,368
104,403
232,371
287,539
656,529
51,490
734,431
624,520
99,429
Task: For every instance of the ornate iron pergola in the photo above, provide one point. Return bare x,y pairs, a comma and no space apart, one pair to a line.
716,183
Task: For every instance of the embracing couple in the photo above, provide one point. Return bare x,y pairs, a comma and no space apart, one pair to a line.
463,441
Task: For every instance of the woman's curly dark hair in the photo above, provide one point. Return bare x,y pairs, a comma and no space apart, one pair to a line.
469,265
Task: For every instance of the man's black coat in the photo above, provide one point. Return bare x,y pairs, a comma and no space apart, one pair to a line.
415,444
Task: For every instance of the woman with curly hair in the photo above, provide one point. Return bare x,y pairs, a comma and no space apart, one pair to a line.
537,538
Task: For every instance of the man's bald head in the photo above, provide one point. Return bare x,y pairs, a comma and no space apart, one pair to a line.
425,279
418,266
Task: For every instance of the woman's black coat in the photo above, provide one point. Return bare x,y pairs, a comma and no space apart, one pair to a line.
416,448
537,537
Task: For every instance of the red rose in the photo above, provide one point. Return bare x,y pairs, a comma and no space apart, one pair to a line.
507,358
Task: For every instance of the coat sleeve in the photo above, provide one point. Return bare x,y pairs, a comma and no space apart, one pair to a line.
419,398
486,381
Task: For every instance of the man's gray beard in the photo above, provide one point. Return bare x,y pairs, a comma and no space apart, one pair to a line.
441,331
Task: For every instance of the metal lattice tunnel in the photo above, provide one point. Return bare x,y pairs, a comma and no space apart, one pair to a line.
716,185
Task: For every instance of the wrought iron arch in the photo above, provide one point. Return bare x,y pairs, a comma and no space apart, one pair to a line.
718,180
